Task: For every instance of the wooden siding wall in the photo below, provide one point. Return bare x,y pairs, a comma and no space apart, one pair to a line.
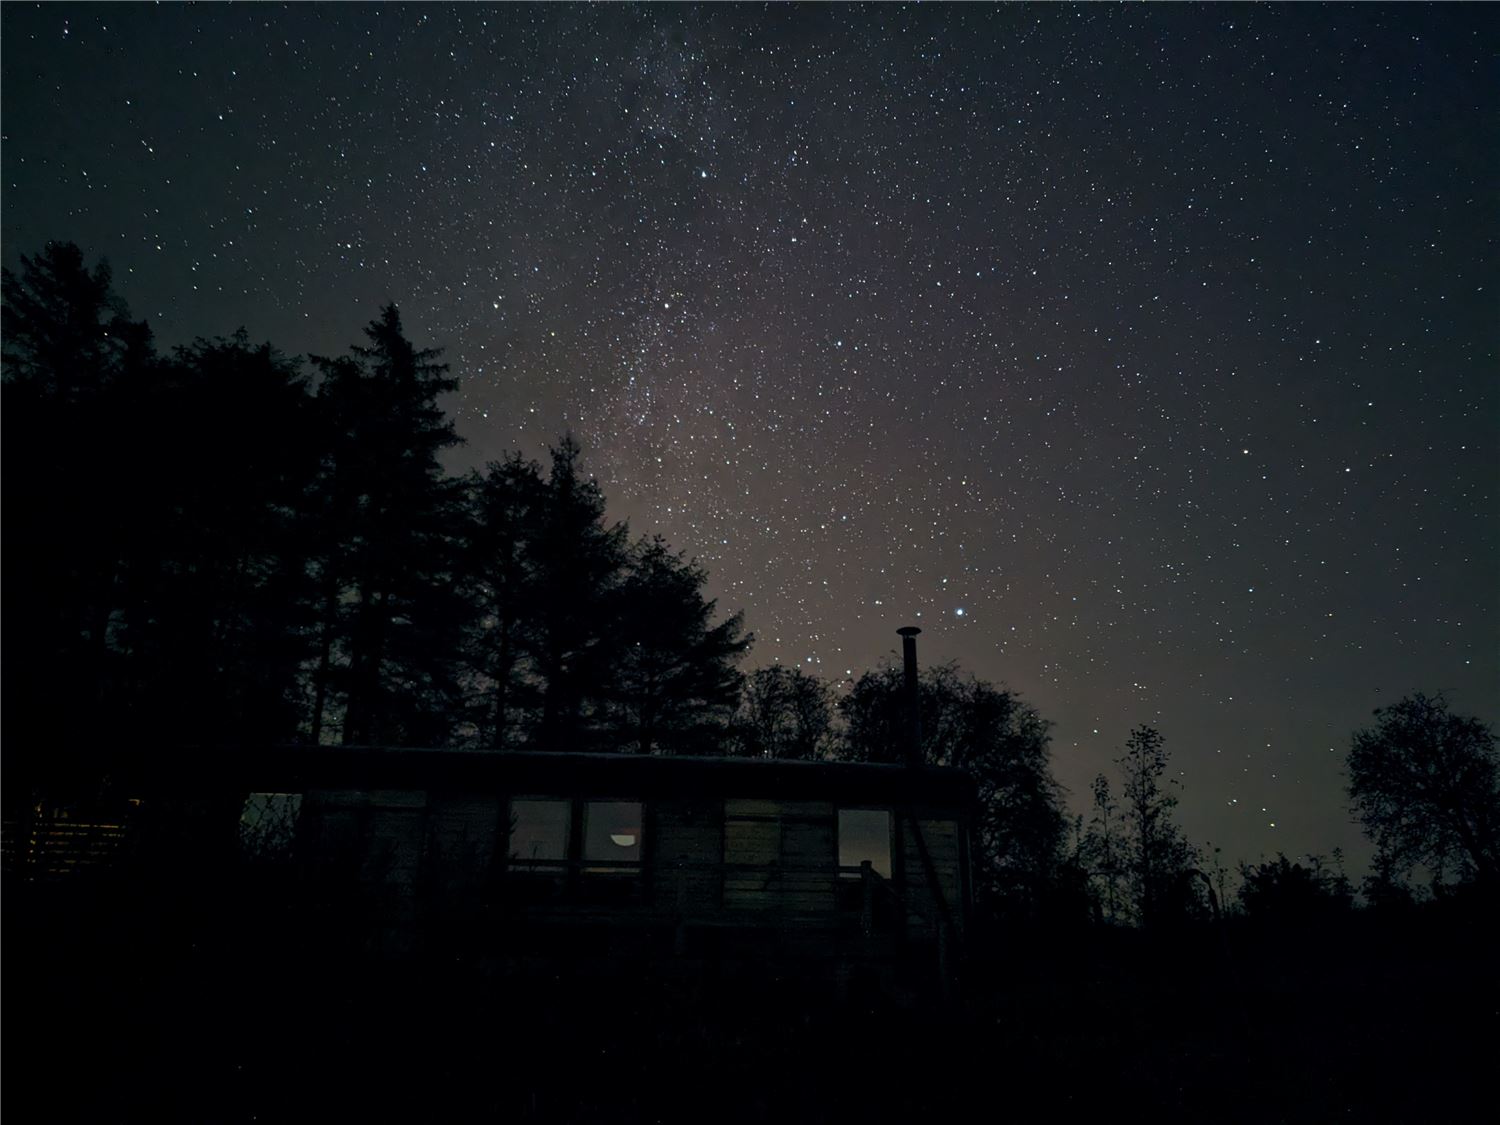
945,850
779,855
462,834
809,857
686,844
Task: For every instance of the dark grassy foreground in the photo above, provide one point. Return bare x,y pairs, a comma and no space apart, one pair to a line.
126,1002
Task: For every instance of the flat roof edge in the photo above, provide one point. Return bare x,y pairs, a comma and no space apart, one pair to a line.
299,768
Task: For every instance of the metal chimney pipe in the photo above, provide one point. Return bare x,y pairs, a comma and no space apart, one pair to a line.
913,699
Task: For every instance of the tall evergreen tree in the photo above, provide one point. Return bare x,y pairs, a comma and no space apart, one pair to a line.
501,578
390,607
159,607
570,636
674,683
71,356
216,616
67,336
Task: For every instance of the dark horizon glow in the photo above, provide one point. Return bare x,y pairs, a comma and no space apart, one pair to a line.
1144,357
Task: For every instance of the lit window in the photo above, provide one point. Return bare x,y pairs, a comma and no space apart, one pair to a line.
864,834
539,831
612,832
268,824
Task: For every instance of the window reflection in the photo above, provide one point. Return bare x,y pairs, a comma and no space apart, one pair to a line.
268,824
865,834
539,831
612,831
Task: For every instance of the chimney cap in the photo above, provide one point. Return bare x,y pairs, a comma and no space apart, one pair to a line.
908,630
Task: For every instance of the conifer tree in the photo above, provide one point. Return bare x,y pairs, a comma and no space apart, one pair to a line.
501,579
70,499
216,617
390,609
570,636
67,336
675,684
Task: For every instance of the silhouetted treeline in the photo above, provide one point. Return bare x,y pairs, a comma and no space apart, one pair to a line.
1423,782
218,546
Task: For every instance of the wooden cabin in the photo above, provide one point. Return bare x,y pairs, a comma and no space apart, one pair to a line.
815,869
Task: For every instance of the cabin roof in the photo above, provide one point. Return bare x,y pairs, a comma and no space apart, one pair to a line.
297,769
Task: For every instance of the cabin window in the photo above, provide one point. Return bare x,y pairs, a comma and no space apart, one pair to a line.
864,834
268,824
539,830
554,839
612,835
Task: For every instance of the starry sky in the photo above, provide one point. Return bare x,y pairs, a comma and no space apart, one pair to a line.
1145,357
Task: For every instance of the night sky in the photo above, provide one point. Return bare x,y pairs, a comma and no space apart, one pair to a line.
1145,357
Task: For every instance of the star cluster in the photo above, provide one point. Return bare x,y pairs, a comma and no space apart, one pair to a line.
1145,357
